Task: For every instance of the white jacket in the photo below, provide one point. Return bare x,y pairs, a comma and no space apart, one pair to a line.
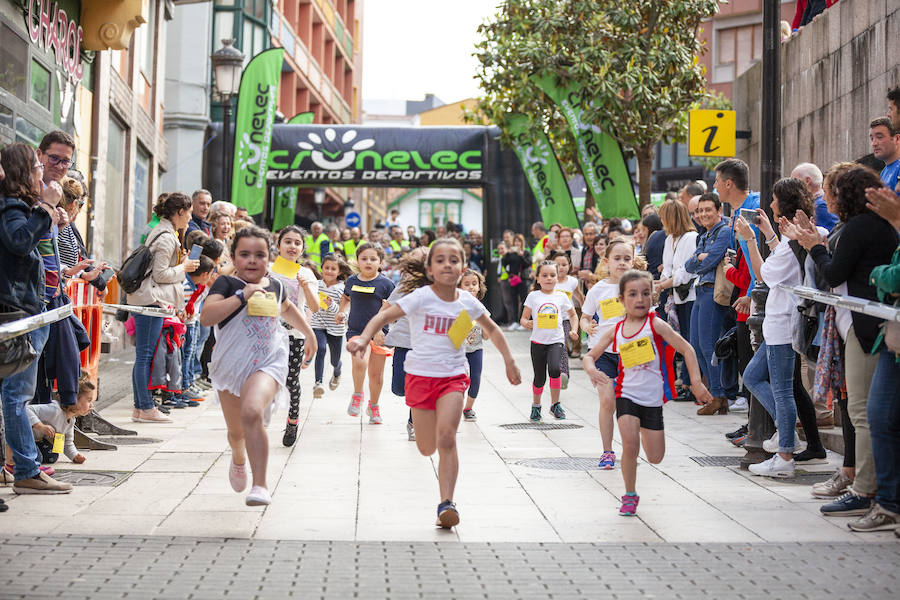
675,255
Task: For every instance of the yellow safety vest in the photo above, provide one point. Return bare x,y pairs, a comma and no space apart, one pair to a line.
312,247
398,246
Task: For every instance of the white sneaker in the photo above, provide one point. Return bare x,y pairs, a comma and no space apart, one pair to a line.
520,327
771,444
318,390
258,496
774,467
512,327
740,405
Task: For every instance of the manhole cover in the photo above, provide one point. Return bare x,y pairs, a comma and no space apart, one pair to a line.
717,461
125,440
541,426
100,478
561,464
808,477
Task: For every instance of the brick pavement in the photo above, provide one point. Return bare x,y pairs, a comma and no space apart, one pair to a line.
99,567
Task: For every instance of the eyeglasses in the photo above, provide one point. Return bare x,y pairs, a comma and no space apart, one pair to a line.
59,160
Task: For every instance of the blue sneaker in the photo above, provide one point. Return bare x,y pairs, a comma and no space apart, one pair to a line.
557,411
848,505
607,461
447,515
535,413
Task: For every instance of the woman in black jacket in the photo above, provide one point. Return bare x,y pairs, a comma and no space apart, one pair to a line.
866,241
26,214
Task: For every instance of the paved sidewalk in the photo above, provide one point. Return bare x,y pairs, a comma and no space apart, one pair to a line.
95,568
348,481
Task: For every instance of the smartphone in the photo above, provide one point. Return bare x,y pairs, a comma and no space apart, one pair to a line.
196,251
731,253
551,237
103,278
750,216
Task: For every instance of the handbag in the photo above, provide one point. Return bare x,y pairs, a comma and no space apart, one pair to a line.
683,290
16,353
136,267
514,280
722,289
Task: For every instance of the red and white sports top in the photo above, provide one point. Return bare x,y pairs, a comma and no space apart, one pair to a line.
641,364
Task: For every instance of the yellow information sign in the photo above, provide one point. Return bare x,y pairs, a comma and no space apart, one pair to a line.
712,132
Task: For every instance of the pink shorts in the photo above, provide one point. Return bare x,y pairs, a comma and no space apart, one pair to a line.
423,392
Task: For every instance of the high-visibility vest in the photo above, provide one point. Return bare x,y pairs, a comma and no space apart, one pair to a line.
350,249
312,247
398,246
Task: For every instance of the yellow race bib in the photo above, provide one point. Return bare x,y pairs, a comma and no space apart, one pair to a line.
568,294
363,289
322,296
547,320
460,329
285,267
611,308
638,352
59,440
262,304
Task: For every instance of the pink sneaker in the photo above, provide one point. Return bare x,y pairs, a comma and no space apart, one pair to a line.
237,477
629,505
374,414
355,401
50,471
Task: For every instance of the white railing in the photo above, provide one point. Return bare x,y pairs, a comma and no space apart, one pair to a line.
860,305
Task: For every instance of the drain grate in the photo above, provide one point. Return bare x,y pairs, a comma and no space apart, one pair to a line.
125,440
717,461
541,426
93,478
808,477
561,464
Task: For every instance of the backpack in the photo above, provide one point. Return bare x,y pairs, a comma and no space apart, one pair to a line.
136,267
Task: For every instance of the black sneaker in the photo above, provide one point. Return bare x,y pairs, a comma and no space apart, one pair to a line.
739,432
811,456
447,515
685,395
557,411
290,433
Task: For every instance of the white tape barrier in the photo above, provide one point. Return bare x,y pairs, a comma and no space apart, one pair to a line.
860,305
147,311
29,324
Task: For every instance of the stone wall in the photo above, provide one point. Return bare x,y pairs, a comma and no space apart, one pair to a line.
835,77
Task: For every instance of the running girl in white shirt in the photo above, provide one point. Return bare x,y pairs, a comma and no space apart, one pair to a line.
250,360
644,380
473,282
547,306
301,291
568,285
440,318
600,313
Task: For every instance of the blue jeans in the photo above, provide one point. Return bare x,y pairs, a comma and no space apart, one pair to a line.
706,327
325,342
16,392
883,413
146,334
187,355
201,334
684,328
770,378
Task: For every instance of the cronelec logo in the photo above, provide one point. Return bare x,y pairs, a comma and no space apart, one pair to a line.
329,154
249,152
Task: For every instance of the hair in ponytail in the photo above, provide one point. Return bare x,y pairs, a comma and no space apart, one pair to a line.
537,273
415,265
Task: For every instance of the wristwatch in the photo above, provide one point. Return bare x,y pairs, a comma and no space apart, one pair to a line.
240,295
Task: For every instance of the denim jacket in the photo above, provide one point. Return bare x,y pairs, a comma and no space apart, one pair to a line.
22,275
714,243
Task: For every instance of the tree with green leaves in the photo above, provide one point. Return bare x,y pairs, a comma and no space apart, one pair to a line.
637,62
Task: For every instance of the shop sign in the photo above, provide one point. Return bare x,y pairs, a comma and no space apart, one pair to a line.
51,28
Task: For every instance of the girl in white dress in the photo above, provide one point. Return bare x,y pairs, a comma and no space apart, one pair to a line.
250,360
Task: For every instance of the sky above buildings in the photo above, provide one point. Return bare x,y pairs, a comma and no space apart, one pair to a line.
414,47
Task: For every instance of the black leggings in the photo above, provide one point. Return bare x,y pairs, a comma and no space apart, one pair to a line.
849,434
546,358
806,411
295,363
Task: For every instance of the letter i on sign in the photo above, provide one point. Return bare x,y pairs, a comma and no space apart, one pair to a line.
712,132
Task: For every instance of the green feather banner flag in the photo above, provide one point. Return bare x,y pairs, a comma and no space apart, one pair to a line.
599,155
545,177
286,197
257,101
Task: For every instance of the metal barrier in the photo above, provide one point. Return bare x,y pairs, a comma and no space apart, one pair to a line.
860,305
29,324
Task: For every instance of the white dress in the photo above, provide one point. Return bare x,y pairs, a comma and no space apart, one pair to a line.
246,345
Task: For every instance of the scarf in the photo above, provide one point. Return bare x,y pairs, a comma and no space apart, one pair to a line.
830,365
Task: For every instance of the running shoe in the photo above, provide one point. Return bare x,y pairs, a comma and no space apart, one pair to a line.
877,519
469,415
739,441
410,431
355,401
290,433
773,467
812,457
739,405
848,505
50,471
318,390
607,461
535,413
832,488
334,382
447,515
557,411
629,505
237,477
374,414
740,431
258,496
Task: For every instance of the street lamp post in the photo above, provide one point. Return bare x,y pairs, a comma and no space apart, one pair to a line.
227,62
319,199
